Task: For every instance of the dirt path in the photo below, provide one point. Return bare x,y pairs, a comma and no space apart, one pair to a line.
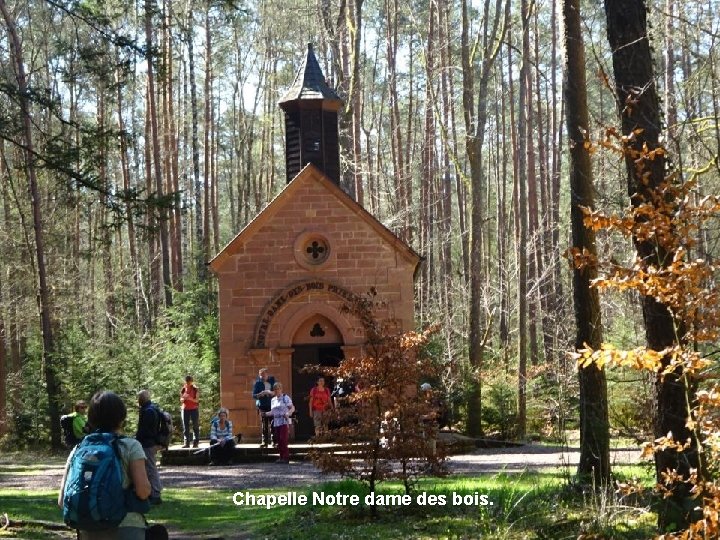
266,475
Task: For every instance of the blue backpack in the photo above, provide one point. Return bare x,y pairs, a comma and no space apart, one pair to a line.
94,498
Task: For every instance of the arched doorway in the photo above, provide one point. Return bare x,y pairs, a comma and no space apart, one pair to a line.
316,342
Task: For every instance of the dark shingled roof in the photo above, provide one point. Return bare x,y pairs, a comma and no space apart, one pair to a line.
309,82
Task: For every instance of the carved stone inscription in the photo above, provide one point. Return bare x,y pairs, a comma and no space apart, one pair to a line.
283,298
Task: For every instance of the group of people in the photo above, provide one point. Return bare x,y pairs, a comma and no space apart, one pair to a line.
105,417
276,409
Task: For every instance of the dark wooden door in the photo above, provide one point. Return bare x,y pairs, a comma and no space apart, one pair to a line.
302,381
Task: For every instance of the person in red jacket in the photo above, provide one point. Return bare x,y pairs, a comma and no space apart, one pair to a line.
189,400
319,403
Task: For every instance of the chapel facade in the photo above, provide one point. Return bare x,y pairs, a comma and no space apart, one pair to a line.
285,277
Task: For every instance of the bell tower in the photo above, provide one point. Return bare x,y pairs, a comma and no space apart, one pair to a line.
311,122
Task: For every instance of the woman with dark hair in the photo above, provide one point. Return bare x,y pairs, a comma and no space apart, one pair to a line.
222,440
106,415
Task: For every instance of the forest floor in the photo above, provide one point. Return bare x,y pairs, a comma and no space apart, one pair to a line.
528,458
29,486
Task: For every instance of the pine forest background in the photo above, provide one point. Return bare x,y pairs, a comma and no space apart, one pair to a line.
155,136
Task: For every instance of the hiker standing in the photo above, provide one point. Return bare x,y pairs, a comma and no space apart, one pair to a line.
189,398
74,424
106,416
263,393
281,409
319,403
147,436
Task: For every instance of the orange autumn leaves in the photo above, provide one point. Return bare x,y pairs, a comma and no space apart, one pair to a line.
666,225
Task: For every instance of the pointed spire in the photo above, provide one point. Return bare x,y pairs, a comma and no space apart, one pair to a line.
310,83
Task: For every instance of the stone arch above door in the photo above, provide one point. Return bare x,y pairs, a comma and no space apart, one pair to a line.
338,329
284,313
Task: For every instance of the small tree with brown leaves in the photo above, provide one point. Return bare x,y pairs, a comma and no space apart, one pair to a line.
385,428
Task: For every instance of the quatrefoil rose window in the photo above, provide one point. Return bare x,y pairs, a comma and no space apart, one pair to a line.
312,249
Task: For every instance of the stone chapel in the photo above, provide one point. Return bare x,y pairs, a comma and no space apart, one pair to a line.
284,278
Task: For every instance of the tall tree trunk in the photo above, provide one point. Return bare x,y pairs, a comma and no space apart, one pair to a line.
503,230
355,30
446,178
206,131
157,162
428,168
125,170
106,231
396,140
556,304
532,192
594,423
52,386
197,185
151,224
639,107
171,149
522,244
671,115
493,32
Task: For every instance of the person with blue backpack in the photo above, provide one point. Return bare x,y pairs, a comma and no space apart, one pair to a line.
105,489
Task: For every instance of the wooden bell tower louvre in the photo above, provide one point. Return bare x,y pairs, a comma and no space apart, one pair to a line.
311,122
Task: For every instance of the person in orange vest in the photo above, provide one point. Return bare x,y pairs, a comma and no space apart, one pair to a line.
189,400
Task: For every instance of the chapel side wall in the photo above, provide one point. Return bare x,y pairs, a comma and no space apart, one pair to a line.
265,266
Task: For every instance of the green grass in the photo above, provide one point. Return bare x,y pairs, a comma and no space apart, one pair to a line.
528,505
34,459
537,505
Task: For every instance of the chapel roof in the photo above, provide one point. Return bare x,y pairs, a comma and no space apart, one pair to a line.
310,173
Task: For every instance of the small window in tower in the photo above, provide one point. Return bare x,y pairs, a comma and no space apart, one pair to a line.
312,142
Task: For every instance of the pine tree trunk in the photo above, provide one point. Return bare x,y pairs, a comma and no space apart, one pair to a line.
125,170
171,149
52,386
206,132
522,244
197,185
594,424
157,162
356,97
494,32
